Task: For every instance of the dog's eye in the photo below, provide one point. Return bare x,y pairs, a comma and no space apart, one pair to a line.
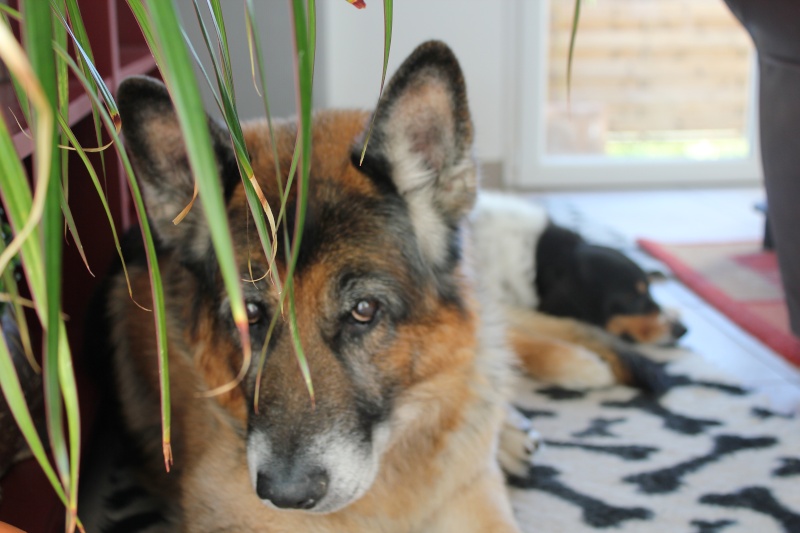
364,312
255,313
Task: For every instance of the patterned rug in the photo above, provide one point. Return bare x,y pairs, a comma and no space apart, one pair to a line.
702,456
740,280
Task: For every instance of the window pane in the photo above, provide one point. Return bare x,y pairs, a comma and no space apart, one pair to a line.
651,78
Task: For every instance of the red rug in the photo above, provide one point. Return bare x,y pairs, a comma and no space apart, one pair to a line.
739,279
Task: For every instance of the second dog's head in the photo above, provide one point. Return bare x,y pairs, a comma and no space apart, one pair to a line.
602,286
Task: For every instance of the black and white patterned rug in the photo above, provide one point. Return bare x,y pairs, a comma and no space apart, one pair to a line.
703,456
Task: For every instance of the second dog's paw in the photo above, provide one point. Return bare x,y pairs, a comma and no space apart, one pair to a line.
587,370
519,442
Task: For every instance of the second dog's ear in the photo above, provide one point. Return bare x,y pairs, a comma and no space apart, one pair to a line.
155,144
422,141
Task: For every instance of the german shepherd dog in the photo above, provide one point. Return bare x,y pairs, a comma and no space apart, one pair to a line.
407,356
409,371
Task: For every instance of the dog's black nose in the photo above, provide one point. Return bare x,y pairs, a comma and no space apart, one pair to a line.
295,488
678,330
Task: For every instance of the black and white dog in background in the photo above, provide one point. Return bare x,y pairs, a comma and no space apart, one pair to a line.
528,261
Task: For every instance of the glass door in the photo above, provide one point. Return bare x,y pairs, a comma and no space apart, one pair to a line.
663,93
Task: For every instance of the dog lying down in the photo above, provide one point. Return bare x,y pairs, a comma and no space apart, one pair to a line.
533,264
409,363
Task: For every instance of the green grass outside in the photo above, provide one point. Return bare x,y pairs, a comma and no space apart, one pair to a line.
698,149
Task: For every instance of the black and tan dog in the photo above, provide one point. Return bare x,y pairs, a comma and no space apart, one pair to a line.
408,366
548,276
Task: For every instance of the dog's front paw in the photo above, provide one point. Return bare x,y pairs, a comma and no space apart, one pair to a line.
519,442
586,370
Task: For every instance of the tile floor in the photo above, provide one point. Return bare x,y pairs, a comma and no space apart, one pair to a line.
618,218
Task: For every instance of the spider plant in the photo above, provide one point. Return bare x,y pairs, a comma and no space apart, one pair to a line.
38,210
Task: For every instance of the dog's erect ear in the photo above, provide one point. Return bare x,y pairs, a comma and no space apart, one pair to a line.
421,145
155,144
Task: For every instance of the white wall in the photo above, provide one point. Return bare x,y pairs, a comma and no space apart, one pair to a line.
277,46
478,31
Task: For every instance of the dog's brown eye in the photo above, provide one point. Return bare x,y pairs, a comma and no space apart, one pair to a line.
254,313
364,312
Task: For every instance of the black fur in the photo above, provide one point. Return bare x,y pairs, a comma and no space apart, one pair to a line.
588,282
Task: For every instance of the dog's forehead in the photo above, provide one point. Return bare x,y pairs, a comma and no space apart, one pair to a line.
347,219
333,177
333,135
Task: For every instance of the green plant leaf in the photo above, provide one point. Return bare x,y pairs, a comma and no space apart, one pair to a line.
156,286
143,19
69,392
58,380
255,47
304,82
255,197
226,100
15,398
258,205
182,85
10,11
202,68
10,284
67,212
576,17
256,58
24,212
60,37
73,140
38,36
222,39
77,30
96,83
311,23
388,10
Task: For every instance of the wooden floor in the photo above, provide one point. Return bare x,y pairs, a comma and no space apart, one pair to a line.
619,218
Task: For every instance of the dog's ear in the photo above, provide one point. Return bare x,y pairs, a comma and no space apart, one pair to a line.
157,150
421,145
656,276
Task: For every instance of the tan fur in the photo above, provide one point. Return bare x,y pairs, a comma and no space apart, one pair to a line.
562,350
644,329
